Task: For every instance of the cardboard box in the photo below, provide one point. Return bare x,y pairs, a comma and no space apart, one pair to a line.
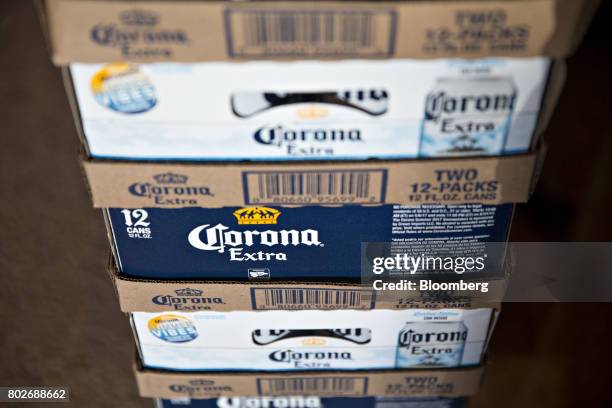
311,402
448,383
486,180
310,110
148,31
301,243
346,340
150,295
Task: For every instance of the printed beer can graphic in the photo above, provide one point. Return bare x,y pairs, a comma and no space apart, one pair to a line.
173,328
123,88
431,344
373,102
312,337
467,117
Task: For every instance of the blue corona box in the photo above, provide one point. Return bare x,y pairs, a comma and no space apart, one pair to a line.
312,402
291,243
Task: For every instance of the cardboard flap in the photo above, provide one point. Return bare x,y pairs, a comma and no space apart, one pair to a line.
398,383
187,31
149,295
489,180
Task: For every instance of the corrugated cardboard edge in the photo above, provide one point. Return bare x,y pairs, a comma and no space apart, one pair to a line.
575,17
74,109
149,295
48,12
538,169
571,18
458,382
40,6
109,180
554,88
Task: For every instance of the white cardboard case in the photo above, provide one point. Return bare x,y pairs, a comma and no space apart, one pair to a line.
306,340
373,109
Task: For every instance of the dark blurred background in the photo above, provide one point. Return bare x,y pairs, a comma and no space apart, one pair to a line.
59,319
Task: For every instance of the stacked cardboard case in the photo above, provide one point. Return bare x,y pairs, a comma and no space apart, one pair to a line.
248,156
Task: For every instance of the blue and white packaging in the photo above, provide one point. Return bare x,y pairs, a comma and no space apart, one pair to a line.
312,402
285,243
354,109
312,340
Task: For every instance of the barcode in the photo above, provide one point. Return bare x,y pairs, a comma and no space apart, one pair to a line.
310,298
315,187
265,27
310,32
313,386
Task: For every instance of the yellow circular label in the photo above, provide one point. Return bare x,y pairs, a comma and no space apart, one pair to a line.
123,88
172,328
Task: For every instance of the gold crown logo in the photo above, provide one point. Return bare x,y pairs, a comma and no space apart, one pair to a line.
313,342
312,112
257,215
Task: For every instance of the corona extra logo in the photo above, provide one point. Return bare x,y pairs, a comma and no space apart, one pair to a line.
199,386
139,33
441,103
257,215
278,135
409,337
269,402
218,237
312,112
221,238
169,188
290,356
187,299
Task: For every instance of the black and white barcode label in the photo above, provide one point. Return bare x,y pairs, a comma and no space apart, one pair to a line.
310,298
338,386
307,32
315,187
